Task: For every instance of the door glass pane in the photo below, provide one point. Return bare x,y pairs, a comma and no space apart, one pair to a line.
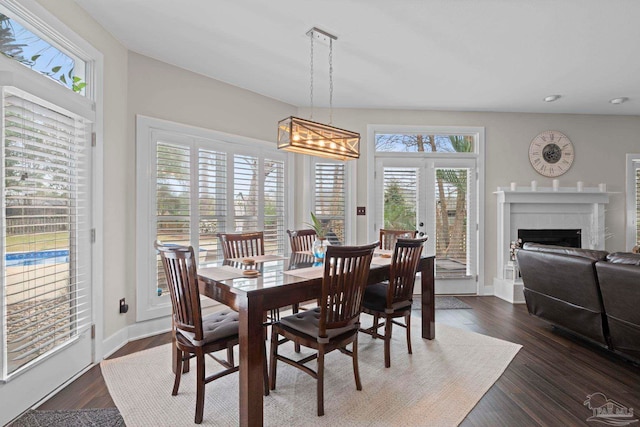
400,198
451,222
46,218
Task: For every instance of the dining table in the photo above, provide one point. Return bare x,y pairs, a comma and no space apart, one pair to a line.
262,283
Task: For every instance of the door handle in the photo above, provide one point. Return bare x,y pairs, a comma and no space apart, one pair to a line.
421,234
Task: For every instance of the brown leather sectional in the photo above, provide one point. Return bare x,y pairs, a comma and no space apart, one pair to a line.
593,294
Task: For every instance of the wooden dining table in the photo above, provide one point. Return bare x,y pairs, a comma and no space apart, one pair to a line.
276,286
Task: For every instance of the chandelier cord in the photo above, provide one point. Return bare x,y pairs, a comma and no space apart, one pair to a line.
330,81
311,63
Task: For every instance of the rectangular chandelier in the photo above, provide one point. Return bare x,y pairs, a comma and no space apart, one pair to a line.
317,139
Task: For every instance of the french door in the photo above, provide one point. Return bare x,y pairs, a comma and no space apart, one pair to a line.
438,198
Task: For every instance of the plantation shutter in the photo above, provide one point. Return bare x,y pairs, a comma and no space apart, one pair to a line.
274,212
245,192
400,198
45,253
330,200
212,187
173,200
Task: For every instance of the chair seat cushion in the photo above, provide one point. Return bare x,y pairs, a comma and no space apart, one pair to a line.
216,326
308,322
375,298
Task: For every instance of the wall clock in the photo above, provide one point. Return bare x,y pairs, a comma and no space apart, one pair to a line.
551,153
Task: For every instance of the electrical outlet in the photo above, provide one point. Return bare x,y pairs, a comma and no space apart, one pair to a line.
124,307
361,210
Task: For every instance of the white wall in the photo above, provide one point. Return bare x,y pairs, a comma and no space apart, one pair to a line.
118,160
135,84
600,142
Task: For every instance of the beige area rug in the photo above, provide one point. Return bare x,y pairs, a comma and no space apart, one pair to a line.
436,386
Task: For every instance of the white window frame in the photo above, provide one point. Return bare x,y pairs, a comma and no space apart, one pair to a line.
478,155
148,130
632,162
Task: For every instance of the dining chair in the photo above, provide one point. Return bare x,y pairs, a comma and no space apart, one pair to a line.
388,237
239,245
194,335
301,240
335,323
393,299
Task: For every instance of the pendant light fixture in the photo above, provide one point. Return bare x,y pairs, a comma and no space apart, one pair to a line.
317,139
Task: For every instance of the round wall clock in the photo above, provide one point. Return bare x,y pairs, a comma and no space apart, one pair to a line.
551,153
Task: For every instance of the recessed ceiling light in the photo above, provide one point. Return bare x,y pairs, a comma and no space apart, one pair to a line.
619,100
551,98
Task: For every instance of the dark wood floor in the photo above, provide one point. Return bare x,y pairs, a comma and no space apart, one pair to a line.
546,384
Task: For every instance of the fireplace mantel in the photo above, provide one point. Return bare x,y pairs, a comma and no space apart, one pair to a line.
564,208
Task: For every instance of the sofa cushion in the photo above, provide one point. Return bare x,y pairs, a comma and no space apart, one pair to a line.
593,254
624,258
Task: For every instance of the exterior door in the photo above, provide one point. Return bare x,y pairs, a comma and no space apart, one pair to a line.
436,197
45,250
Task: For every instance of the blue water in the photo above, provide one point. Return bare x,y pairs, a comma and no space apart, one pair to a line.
55,256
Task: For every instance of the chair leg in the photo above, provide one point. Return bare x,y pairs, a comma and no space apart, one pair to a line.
387,342
265,370
320,383
407,320
356,370
273,360
178,370
199,386
376,319
230,355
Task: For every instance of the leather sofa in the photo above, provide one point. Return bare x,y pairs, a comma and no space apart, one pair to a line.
591,293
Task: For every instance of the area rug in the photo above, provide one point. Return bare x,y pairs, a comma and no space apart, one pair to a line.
108,417
449,303
436,386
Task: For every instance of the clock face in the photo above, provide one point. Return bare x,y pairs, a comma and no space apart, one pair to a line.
551,153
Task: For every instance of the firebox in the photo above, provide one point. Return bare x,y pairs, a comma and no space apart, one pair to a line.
557,237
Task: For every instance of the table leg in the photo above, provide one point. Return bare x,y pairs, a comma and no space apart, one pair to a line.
428,300
251,362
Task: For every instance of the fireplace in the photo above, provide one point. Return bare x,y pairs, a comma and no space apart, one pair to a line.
558,237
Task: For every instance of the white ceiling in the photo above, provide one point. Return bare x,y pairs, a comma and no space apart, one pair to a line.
464,55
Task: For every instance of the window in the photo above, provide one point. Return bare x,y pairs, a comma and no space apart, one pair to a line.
22,45
429,179
47,226
330,198
633,200
201,185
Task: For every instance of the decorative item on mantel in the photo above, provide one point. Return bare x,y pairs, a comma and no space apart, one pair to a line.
308,137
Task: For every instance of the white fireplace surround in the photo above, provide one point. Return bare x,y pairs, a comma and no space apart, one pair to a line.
546,208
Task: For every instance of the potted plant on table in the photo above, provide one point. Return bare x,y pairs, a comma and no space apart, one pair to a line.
320,244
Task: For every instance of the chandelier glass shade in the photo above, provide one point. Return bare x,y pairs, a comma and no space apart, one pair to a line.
317,139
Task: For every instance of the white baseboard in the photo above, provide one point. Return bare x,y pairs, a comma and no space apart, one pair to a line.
507,290
133,332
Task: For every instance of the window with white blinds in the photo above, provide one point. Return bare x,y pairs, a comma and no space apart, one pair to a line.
44,252
203,186
330,199
400,198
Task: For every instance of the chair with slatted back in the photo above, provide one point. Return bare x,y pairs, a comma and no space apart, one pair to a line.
194,335
393,299
388,237
334,324
301,240
239,245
